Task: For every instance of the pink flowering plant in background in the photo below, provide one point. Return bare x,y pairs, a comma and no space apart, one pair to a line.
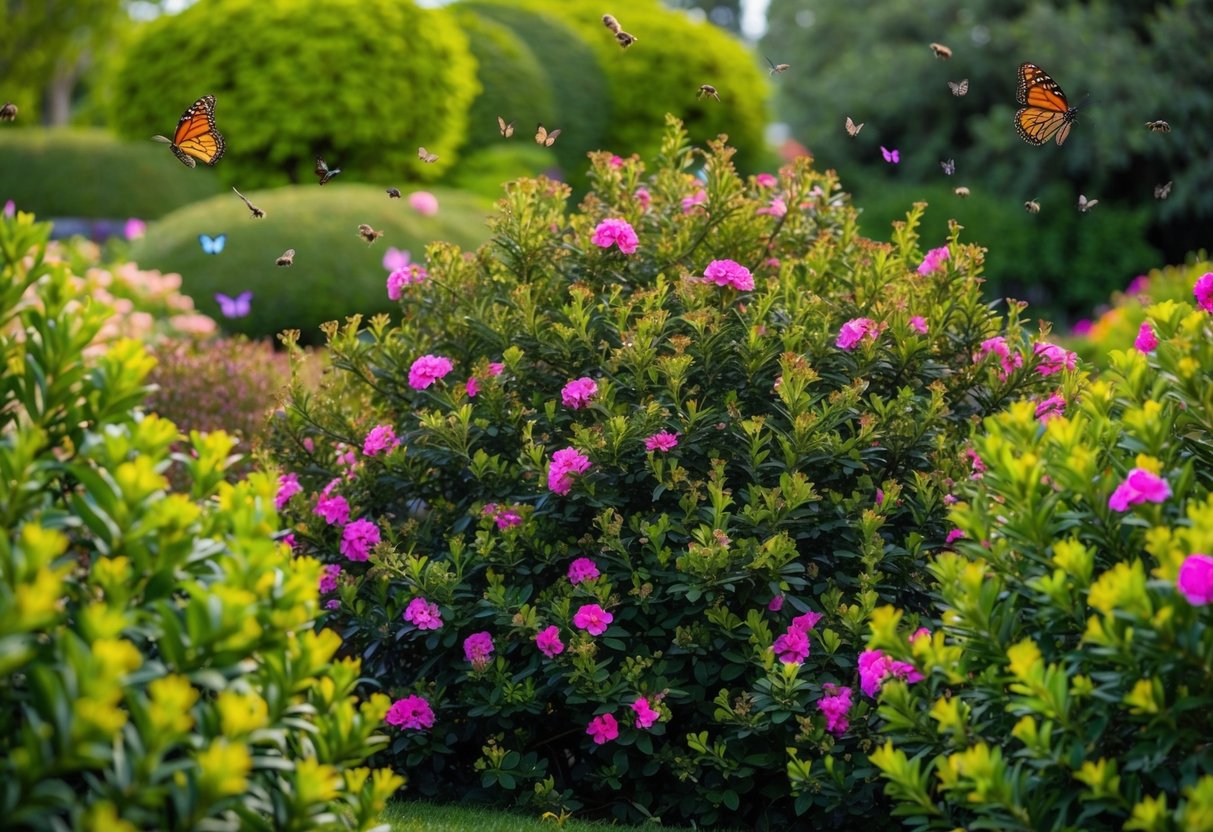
615,232
729,273
578,393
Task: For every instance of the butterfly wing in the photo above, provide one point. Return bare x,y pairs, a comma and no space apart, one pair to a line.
1046,112
196,136
541,134
552,135
243,304
884,151
212,245
1036,126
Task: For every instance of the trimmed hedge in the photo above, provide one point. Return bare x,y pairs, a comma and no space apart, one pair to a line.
335,274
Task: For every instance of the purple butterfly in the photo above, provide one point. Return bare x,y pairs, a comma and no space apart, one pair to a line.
236,307
893,157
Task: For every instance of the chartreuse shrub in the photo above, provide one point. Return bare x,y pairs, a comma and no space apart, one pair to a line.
158,664
361,82
1069,684
607,511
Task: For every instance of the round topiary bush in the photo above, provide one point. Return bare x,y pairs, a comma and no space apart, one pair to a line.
617,495
335,272
360,82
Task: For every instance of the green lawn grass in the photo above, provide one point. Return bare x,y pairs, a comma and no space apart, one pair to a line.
415,816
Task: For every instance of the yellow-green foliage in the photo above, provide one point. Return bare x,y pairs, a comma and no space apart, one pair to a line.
362,82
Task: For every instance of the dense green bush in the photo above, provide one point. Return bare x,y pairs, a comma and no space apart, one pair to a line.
89,173
808,476
361,82
484,171
336,273
158,664
1068,687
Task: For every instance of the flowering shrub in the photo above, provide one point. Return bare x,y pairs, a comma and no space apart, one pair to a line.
1068,684
677,608
159,668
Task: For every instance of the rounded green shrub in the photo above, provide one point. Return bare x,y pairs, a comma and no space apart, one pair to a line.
621,525
335,272
484,172
362,83
89,173
1067,686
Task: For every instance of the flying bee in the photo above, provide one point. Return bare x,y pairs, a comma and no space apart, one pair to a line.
1032,206
8,112
959,88
942,52
1159,126
853,128
425,156
949,167
393,193
1085,205
507,129
1162,191
777,69
611,23
256,212
287,258
324,171
708,89
961,191
369,234
625,40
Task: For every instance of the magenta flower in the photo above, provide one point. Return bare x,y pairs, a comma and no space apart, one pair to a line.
1138,285
424,203
615,161
507,519
806,622
836,704
398,279
933,260
793,646
582,569
333,510
579,392
615,232
427,369
412,713
1140,486
777,208
328,581
1203,290
1053,359
394,259
134,229
288,486
472,387
10,209
875,667
919,324
593,619
775,604
765,180
643,196
953,536
358,538
998,346
921,632
496,368
549,643
646,714
564,464
689,203
1146,340
854,331
423,614
603,729
1082,327
729,273
1055,405
1195,580
975,462
381,438
478,648
661,441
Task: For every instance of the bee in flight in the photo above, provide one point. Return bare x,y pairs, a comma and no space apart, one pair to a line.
777,69
369,234
625,40
961,191
393,193
1158,126
324,172
253,209
1032,206
1085,205
708,89
941,52
8,112
287,258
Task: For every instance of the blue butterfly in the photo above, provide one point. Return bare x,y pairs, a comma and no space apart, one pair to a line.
236,307
212,245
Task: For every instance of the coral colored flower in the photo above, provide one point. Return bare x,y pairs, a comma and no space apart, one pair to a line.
1053,359
412,712
1146,340
398,279
328,581
643,196
358,538
689,203
875,667
615,232
564,464
646,714
777,208
1195,580
381,438
579,392
288,486
953,536
836,704
427,369
394,259
333,510
582,569
134,229
661,441
933,260
603,729
1203,290
1140,486
478,648
593,619
806,622
793,646
1055,405
423,614
548,641
775,604
854,331
919,324
765,180
729,273
424,203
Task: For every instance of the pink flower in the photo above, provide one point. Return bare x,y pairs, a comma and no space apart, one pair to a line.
998,346
332,604
1203,290
1082,327
806,622
495,368
643,196
765,180
875,667
478,648
854,331
412,712
603,729
10,209
357,538
578,393
423,614
646,715
690,202
134,229
836,704
978,466
427,369
615,232
1055,405
921,632
1053,359
333,510
775,604
582,569
381,438
879,497
288,486
507,519
615,161
1140,486
549,643
593,619
397,280
424,203
919,324
662,441
1146,339
290,541
472,387
933,260
953,536
1138,285
729,273
777,208
564,464
328,581
1195,580
394,259
793,646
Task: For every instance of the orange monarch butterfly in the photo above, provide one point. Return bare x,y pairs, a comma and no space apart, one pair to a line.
196,136
1045,113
